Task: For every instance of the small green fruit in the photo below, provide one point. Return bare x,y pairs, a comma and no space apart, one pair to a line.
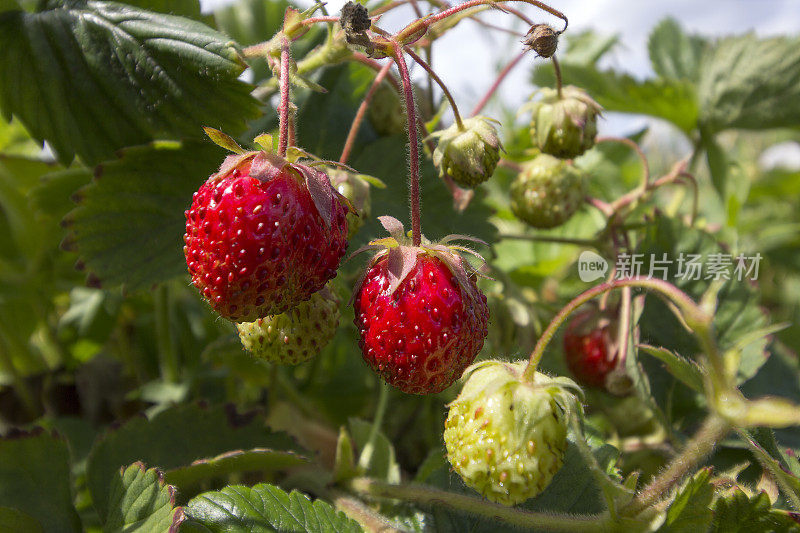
468,155
564,127
506,437
547,192
356,189
386,112
295,336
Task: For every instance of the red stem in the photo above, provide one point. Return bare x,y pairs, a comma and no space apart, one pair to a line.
314,20
421,24
413,145
283,107
497,82
361,113
441,85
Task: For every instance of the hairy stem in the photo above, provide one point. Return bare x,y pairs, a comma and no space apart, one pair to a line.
413,145
430,496
500,77
362,112
696,450
557,69
283,107
693,313
441,85
421,24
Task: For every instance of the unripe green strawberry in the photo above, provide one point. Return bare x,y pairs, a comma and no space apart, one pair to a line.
564,127
386,112
295,336
468,155
506,437
356,189
547,192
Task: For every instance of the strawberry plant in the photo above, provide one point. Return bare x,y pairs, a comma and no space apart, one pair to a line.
204,326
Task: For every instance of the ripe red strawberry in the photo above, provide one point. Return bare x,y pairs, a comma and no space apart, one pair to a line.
590,347
263,235
420,316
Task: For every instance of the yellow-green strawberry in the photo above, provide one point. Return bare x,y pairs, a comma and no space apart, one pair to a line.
468,153
355,188
565,126
547,192
295,336
506,437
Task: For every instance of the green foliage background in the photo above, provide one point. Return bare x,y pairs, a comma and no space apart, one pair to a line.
99,324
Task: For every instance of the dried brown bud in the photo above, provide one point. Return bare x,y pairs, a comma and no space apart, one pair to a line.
354,18
542,39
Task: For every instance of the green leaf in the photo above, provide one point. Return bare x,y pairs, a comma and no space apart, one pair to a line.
383,464
740,513
673,53
261,509
109,75
140,502
669,99
35,479
255,460
751,83
183,8
690,512
14,521
175,438
129,224
688,372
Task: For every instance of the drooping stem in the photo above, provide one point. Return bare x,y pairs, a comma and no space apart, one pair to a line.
440,83
696,450
430,496
168,357
636,148
283,107
557,69
500,77
692,312
413,145
380,410
362,112
418,26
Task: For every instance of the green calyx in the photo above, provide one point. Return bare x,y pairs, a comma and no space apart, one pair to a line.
566,126
506,437
470,154
295,336
547,192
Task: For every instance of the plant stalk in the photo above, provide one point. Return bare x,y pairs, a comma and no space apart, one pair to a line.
362,112
441,85
500,77
430,496
413,145
712,431
283,107
168,357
